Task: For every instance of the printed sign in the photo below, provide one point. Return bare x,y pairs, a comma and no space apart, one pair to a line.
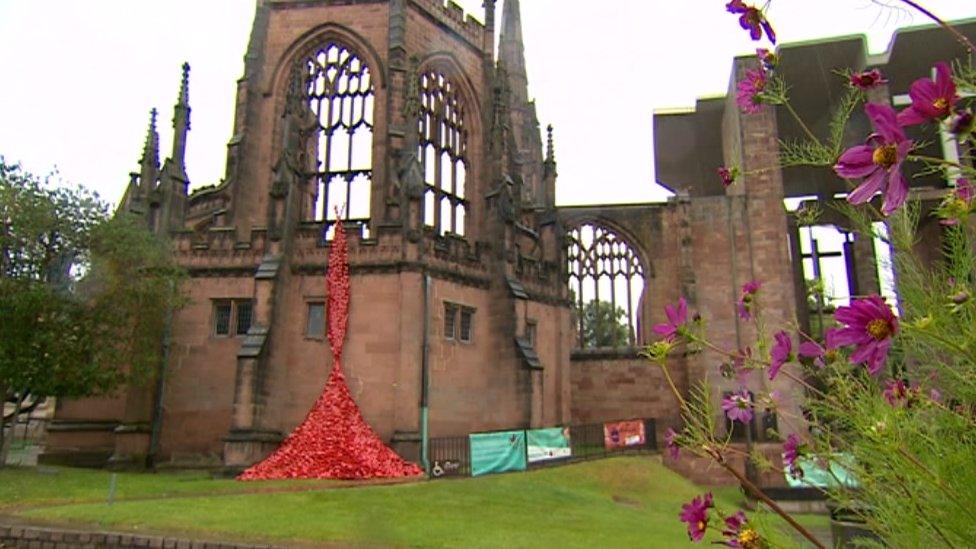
548,444
497,452
445,468
623,434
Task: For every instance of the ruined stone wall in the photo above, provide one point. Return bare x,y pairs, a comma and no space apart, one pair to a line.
611,385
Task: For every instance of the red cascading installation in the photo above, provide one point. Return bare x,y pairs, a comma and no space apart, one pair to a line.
334,441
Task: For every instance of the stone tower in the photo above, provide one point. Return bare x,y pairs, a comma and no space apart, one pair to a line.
395,118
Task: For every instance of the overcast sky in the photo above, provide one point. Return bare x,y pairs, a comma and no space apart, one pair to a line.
79,77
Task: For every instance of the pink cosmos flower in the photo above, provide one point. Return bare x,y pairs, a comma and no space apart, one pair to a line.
738,533
727,175
931,99
695,514
733,525
812,349
752,19
671,444
870,325
867,80
677,317
739,366
767,59
959,203
749,89
896,392
964,190
744,305
792,450
878,161
961,123
738,406
781,353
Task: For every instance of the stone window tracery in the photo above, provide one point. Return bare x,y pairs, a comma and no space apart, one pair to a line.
443,142
341,95
606,281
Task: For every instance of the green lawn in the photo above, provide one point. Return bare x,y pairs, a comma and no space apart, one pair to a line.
620,502
26,487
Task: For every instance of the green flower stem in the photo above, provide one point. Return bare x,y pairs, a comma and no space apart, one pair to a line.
944,341
938,481
803,125
750,487
809,387
936,160
924,516
674,388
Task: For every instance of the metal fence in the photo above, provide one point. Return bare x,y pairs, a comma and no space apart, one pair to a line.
451,456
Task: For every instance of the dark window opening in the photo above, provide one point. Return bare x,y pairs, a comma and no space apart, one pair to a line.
530,329
340,93
466,317
606,284
315,322
458,322
244,315
232,317
443,145
450,320
222,318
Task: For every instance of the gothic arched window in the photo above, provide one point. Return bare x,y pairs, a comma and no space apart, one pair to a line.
606,280
340,94
443,153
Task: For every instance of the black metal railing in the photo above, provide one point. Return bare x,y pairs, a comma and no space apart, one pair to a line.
451,456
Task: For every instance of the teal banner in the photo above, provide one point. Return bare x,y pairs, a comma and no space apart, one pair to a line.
816,475
548,444
497,452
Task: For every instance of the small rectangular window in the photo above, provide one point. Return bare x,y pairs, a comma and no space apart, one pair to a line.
466,315
221,315
450,320
315,326
530,326
244,315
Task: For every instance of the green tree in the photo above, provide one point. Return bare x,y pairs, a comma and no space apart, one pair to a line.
604,325
83,295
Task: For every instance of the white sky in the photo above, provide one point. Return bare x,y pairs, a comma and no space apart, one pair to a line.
79,77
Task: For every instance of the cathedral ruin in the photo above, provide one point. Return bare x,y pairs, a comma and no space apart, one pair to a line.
472,292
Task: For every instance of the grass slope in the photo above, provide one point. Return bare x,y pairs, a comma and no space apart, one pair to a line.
26,487
621,502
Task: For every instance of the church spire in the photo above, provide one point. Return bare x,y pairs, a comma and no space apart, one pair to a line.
149,164
181,124
511,51
550,147
548,190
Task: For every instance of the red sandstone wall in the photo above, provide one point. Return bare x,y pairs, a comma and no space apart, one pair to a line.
610,386
555,337
472,387
199,396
